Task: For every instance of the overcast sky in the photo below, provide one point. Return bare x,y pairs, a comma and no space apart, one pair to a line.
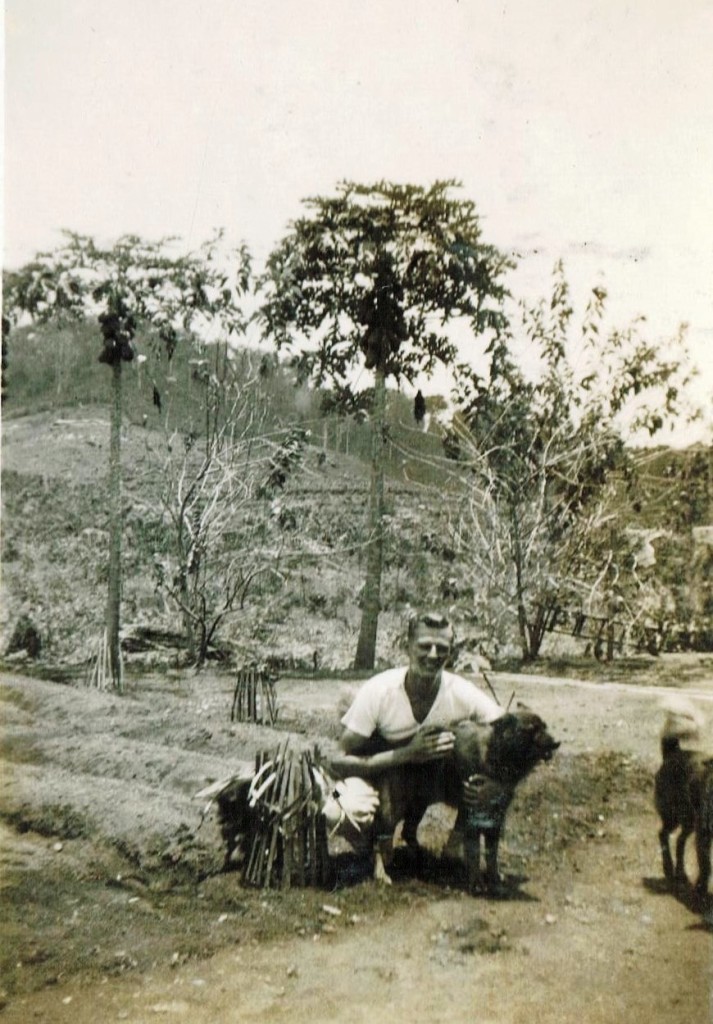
583,129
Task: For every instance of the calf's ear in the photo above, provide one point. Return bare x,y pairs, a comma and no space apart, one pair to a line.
506,724
523,707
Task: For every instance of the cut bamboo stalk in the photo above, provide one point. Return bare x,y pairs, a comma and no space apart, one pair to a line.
99,667
254,697
289,839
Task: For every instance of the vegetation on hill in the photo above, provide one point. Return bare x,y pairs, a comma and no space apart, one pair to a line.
54,513
249,533
51,369
541,520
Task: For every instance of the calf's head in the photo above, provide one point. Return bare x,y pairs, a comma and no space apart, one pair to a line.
508,749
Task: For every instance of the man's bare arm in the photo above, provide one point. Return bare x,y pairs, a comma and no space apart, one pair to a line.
355,759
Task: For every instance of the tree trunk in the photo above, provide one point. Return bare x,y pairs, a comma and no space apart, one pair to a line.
113,611
522,623
371,604
189,624
537,631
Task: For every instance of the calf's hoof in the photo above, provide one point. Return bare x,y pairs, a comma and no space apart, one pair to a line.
496,888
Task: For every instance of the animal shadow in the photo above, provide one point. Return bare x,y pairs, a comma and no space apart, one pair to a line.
449,872
407,865
686,895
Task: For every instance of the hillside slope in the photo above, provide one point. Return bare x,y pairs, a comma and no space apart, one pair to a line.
55,532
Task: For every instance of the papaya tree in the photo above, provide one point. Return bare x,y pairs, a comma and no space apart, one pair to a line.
130,286
548,460
373,278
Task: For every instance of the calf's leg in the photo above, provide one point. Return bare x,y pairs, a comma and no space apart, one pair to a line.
493,881
471,850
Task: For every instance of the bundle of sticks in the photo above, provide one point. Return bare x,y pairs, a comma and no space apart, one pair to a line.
254,699
99,674
288,839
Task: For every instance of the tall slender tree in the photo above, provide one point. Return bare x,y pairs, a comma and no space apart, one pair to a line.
130,284
373,278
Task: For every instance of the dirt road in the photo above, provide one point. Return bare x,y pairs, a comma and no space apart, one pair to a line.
589,934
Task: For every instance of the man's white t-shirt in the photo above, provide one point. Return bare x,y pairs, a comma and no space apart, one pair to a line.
382,704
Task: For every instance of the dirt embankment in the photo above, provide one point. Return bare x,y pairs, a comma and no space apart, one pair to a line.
114,897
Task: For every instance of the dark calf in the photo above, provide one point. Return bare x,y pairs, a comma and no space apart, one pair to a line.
494,759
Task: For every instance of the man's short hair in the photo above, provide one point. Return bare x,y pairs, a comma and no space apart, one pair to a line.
430,620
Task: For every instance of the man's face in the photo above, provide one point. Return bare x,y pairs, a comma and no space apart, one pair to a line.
429,649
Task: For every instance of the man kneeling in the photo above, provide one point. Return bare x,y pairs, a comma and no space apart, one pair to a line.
401,717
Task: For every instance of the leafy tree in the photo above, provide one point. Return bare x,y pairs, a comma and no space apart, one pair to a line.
372,279
132,283
542,452
214,499
691,500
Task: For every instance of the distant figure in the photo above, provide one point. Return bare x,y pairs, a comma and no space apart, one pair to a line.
419,407
157,398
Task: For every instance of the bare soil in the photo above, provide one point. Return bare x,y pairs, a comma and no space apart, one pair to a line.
115,906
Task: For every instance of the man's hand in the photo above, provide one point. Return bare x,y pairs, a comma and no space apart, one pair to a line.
478,791
487,797
430,744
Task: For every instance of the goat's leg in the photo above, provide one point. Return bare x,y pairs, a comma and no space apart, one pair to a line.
703,802
703,852
235,817
666,858
231,844
680,874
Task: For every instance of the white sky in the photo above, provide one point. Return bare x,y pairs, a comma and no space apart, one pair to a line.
583,129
